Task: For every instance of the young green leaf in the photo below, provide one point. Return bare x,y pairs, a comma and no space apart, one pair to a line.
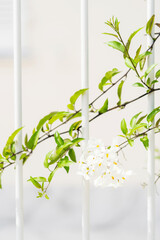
124,127
32,143
52,175
119,92
72,155
35,183
157,74
73,127
59,141
129,63
149,69
134,119
45,119
149,25
152,115
116,45
76,95
129,42
64,162
46,164
104,108
145,142
137,84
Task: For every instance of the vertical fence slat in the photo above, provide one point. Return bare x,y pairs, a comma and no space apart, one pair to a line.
85,113
151,150
18,115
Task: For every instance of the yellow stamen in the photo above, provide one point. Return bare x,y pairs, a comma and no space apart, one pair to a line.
107,155
123,178
93,170
117,145
87,168
112,177
115,163
104,173
97,145
100,164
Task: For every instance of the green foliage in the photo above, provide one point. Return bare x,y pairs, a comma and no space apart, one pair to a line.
151,116
59,141
129,42
119,92
72,155
149,25
32,143
7,151
74,127
45,119
133,121
74,98
137,84
149,69
104,108
124,127
145,142
107,79
157,75
116,45
130,63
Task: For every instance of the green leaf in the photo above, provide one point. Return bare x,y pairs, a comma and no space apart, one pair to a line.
77,141
145,142
129,42
64,162
40,179
152,115
142,56
111,34
104,108
67,169
70,106
131,142
134,119
23,156
32,143
108,78
137,53
73,127
76,95
46,196
137,84
129,63
116,45
138,127
142,63
119,92
46,164
157,74
72,155
124,127
35,183
58,116
7,149
58,139
52,175
45,119
140,119
149,25
149,69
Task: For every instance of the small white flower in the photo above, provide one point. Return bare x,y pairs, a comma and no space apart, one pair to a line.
102,165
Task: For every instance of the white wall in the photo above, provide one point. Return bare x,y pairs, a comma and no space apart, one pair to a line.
51,72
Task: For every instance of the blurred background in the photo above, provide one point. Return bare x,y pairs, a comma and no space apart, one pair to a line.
51,74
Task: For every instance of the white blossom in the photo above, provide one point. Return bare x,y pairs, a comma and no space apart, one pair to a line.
101,165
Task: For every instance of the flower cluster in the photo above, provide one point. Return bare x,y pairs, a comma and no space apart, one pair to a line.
101,165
